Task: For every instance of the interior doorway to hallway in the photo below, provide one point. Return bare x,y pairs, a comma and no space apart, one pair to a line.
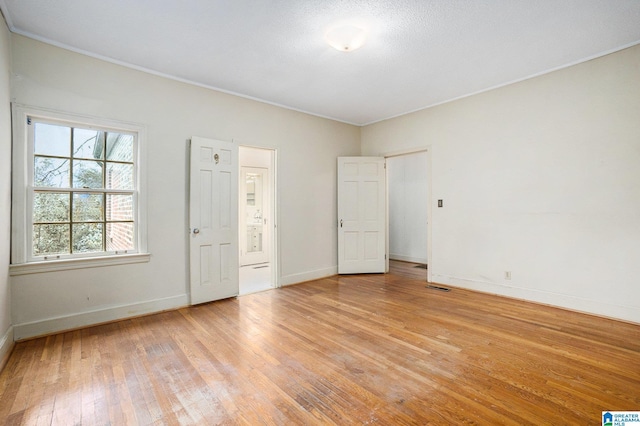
256,221
408,211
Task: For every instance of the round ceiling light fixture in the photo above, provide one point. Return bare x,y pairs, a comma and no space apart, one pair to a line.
346,38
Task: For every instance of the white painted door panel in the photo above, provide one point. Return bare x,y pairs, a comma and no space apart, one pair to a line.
361,215
213,220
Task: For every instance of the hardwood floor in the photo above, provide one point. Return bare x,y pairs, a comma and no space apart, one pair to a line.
408,269
369,349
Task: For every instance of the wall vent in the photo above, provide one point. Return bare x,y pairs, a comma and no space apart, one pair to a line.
437,287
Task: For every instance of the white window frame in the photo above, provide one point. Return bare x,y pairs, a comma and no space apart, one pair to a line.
22,259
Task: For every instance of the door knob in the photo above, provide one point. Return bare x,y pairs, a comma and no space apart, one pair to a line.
196,231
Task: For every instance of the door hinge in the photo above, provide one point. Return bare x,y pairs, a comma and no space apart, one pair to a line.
28,121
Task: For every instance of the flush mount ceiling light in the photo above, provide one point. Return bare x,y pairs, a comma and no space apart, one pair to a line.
345,37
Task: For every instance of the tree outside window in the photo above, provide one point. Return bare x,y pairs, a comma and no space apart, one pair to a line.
83,194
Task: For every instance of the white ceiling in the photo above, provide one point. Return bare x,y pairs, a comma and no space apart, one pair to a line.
418,53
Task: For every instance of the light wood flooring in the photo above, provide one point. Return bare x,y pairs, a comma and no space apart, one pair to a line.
367,349
407,269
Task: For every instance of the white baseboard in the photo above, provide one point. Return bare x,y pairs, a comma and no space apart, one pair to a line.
407,258
308,276
6,345
99,316
573,303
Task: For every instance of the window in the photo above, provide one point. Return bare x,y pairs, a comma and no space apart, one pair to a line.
77,188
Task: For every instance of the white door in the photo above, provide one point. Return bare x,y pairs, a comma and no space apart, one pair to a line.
213,220
254,215
361,215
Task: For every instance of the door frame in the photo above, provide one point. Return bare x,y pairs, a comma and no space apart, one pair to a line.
408,151
273,182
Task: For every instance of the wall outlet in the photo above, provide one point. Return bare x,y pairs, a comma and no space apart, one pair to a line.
507,275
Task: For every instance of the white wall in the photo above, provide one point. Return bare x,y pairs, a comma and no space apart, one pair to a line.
6,336
540,178
408,186
50,77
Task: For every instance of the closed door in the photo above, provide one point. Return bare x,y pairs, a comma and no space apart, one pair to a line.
361,215
213,218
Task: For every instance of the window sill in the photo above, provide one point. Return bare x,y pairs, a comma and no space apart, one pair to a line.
68,264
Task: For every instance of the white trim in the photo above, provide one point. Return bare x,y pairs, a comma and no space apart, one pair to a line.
429,150
73,118
564,301
79,263
308,276
5,14
169,76
508,83
19,177
275,266
387,243
46,40
402,152
99,316
6,345
21,221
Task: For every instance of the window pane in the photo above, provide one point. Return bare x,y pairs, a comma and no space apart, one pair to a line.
51,172
119,147
87,237
50,207
50,239
81,190
87,174
88,143
87,207
119,207
52,140
119,176
120,236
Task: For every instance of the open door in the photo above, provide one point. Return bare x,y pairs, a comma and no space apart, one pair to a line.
213,220
361,215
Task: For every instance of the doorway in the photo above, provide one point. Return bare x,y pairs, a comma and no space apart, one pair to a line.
256,219
408,203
